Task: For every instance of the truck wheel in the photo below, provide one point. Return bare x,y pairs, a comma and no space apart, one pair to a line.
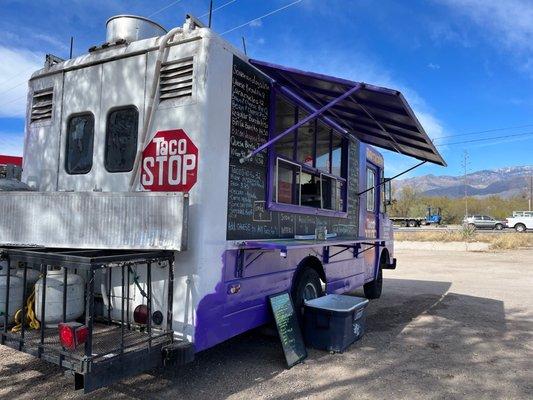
412,223
306,287
520,227
373,289
498,227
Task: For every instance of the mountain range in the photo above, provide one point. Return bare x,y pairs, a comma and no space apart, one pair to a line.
503,182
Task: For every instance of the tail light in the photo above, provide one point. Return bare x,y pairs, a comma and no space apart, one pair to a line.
72,334
140,314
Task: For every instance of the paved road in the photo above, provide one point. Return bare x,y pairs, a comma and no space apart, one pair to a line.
453,228
450,325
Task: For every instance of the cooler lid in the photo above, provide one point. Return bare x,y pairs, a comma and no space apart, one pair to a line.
337,303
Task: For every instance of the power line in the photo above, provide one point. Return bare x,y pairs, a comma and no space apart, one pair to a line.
17,75
13,100
485,131
262,16
13,87
164,8
218,8
485,139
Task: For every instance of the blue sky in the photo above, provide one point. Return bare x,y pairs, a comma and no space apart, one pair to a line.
466,66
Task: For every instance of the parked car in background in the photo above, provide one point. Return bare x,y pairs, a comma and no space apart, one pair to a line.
521,221
484,222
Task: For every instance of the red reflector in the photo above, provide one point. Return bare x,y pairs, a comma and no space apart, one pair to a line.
140,314
72,334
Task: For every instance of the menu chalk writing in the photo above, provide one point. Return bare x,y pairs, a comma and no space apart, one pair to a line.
250,112
288,328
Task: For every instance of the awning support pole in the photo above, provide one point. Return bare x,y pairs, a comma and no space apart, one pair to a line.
300,123
394,177
292,95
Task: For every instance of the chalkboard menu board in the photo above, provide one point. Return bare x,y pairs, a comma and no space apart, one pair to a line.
288,328
248,216
250,107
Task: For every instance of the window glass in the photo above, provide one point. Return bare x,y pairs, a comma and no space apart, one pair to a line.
370,195
323,138
302,156
336,155
306,140
285,118
79,146
287,187
310,187
329,193
121,139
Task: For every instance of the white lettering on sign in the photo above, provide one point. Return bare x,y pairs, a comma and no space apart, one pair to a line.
169,162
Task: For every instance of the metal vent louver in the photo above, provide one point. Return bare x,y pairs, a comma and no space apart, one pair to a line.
176,79
41,106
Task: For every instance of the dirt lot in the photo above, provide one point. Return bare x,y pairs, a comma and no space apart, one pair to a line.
450,325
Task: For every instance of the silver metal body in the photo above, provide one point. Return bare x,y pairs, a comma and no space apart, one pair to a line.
131,28
94,220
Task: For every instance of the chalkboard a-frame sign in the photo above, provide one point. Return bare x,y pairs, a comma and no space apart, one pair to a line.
288,328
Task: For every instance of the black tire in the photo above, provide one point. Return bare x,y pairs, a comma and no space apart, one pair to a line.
373,289
307,281
520,228
472,226
412,223
498,227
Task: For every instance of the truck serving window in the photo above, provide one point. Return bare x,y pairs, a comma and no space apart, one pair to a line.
79,146
308,161
122,131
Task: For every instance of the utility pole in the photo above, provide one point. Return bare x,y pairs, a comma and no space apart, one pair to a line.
464,164
530,191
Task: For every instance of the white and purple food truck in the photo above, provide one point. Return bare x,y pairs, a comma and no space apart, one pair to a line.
172,184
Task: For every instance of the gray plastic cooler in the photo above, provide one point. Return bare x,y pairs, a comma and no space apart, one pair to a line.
334,322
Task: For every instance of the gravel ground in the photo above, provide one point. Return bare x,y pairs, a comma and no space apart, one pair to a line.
450,325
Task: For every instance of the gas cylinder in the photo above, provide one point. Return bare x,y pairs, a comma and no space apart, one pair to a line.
54,297
15,294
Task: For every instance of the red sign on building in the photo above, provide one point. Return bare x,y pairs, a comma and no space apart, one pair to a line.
169,162
5,160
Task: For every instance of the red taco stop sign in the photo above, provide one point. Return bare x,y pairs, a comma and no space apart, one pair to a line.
169,162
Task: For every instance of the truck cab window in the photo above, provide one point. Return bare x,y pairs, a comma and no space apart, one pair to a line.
371,194
79,145
122,131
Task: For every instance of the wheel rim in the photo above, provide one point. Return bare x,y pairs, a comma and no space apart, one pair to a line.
310,292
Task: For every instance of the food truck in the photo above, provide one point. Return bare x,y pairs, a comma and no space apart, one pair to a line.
172,184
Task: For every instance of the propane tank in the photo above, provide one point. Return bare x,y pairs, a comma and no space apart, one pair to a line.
54,297
32,275
15,294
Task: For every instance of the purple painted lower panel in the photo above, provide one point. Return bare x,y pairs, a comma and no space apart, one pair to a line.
221,315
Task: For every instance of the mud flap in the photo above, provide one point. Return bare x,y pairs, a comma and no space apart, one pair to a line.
391,265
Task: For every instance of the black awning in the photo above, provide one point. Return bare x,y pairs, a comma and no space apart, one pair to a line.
375,115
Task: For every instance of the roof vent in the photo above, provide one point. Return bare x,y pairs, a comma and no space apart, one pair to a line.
131,28
41,105
176,79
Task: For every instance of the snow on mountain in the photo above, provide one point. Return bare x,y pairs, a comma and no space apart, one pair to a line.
504,182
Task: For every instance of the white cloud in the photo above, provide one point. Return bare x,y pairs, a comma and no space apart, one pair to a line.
508,23
433,66
16,67
11,143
